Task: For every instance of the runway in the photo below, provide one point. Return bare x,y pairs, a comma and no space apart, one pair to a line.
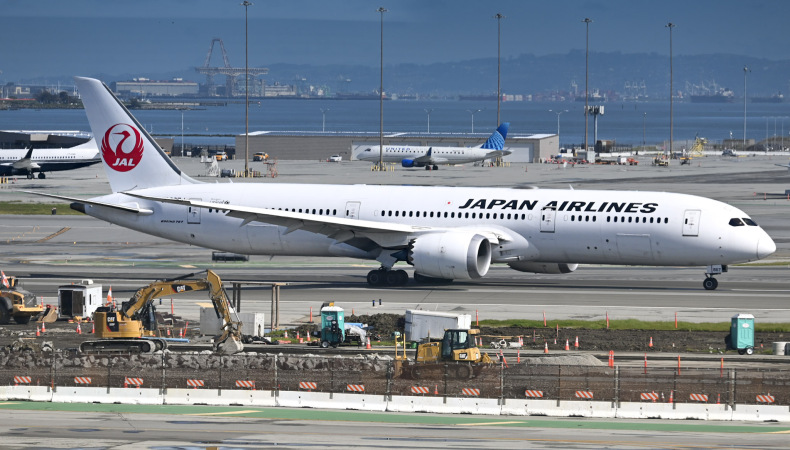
167,427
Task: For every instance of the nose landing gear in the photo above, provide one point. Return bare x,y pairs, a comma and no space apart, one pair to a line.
711,283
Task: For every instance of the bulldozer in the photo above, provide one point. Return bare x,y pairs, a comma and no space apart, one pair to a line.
457,346
17,303
132,327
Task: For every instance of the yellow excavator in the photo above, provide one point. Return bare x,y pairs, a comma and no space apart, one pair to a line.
457,345
133,326
17,303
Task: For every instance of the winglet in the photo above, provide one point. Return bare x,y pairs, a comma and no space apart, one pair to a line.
497,140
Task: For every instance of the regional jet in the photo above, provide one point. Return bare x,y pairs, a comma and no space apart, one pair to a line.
432,157
443,233
29,161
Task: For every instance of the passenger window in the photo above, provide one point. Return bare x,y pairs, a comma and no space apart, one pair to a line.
666,219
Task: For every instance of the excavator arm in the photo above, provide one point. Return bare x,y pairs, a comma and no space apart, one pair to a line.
229,341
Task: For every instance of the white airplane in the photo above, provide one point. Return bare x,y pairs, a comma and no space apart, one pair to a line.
27,162
432,157
445,233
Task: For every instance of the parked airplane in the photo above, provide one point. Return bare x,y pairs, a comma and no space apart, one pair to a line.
28,162
431,157
445,233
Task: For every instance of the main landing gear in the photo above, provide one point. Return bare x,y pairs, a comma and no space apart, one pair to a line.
384,277
711,283
430,167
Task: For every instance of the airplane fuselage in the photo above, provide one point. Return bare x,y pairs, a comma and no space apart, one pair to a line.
448,155
13,162
559,226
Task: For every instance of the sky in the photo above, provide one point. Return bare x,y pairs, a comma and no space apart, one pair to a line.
44,39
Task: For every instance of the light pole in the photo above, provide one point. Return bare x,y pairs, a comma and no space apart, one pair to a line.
671,25
587,22
381,92
182,134
745,71
644,130
323,119
473,117
246,3
498,18
558,120
428,111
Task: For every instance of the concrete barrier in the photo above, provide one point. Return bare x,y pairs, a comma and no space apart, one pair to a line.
414,404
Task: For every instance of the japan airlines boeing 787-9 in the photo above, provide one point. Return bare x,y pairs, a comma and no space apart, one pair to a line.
444,233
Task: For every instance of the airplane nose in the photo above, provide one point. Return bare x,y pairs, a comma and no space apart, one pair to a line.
765,247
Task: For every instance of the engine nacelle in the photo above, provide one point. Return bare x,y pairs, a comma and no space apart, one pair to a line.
407,163
457,255
539,267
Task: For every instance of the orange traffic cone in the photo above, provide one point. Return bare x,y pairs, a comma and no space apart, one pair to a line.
38,333
367,346
79,330
671,395
43,327
286,335
651,342
435,389
567,345
297,336
545,347
518,356
93,327
576,344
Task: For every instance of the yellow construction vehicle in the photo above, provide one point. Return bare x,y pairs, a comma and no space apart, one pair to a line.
17,303
133,326
458,346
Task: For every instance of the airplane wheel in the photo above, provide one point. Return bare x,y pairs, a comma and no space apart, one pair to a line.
377,277
435,167
30,176
710,284
397,277
41,175
427,167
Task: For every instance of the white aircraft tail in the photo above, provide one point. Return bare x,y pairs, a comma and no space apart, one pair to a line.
131,157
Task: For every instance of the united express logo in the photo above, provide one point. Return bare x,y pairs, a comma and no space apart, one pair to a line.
122,147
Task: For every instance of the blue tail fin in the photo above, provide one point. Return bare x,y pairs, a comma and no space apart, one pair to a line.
497,140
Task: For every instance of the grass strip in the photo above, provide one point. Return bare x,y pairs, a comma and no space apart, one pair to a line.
632,324
20,208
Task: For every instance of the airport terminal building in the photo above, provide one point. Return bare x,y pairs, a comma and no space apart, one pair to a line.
319,146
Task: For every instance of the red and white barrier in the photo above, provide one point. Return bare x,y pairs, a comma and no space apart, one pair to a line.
766,398
472,392
355,387
82,380
420,390
309,385
193,383
584,394
249,384
22,380
698,397
130,381
652,396
533,394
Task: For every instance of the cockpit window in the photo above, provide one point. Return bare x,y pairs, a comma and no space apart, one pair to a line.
750,222
736,222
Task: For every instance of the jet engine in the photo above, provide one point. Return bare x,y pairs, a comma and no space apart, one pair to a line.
455,255
407,163
539,267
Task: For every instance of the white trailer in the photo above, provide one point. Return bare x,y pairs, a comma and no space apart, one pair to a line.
79,300
423,325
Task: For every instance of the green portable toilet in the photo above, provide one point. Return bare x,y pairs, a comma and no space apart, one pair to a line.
742,333
333,325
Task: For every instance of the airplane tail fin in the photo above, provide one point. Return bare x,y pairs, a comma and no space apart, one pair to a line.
131,157
497,140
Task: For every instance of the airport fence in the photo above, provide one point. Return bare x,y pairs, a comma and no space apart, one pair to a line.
385,376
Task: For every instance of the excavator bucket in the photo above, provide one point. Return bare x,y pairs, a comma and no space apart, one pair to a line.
229,346
50,315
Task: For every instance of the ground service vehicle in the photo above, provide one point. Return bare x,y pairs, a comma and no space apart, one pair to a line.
260,156
133,326
456,346
17,303
221,156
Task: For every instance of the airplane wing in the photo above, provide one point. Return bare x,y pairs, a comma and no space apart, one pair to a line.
132,207
429,159
385,234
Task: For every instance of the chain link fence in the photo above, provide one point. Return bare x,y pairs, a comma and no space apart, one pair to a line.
385,376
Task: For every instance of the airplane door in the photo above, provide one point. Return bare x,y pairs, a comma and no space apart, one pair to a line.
547,216
352,210
691,222
193,213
